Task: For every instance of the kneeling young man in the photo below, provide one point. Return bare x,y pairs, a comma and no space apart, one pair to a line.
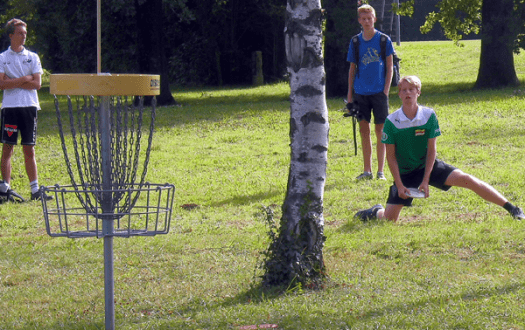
410,137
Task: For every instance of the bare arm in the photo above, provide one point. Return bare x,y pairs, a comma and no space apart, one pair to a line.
35,83
429,165
27,82
351,79
389,73
394,170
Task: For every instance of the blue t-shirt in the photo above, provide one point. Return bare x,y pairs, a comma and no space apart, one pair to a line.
371,77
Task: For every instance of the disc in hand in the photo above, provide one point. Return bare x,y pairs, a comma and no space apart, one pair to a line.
415,193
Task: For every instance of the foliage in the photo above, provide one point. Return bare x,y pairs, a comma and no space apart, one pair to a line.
289,261
455,17
208,41
404,9
518,26
501,25
20,9
460,18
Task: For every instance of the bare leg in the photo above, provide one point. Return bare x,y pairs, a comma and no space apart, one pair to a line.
366,145
30,162
391,212
7,153
459,178
380,147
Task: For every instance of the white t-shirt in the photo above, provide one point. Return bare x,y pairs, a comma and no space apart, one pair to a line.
16,65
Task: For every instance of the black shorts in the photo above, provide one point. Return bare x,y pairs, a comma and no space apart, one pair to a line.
438,177
21,120
378,103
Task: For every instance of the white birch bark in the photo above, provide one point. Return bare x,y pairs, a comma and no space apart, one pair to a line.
301,234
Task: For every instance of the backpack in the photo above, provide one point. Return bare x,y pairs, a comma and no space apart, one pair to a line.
395,59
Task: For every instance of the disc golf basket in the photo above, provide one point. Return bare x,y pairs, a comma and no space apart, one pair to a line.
108,195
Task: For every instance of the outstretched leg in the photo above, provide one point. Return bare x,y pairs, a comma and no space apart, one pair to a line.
484,190
459,178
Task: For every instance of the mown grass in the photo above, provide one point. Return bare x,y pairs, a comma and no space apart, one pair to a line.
452,262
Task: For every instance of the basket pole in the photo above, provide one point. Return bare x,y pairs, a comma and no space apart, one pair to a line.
99,37
108,223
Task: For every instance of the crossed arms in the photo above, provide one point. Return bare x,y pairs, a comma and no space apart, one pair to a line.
29,82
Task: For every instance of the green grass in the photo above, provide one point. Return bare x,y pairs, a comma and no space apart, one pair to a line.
452,261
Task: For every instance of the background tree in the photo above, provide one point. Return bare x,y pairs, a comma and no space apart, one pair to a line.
295,256
206,42
502,29
341,25
151,54
223,36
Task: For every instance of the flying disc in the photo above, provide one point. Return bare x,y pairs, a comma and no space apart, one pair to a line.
415,193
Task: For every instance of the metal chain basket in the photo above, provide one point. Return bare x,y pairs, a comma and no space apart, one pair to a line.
107,170
69,217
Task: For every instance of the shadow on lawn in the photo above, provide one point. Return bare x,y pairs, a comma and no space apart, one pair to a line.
247,199
218,105
439,301
260,295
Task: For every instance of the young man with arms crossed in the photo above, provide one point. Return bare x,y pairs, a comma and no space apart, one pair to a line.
370,78
410,136
20,78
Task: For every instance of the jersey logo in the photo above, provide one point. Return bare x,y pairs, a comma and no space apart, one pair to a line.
420,132
384,137
372,55
10,129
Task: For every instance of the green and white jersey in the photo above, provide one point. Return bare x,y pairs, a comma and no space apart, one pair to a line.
411,137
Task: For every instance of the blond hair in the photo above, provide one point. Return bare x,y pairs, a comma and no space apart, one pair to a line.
12,24
412,80
366,9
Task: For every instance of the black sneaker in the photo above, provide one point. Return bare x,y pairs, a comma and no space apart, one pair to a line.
38,196
368,214
517,213
11,196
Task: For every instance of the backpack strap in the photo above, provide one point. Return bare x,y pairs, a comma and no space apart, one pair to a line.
355,41
382,44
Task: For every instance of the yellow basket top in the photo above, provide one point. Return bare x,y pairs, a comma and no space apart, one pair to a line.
104,84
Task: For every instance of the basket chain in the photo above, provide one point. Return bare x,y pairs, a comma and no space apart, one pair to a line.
126,135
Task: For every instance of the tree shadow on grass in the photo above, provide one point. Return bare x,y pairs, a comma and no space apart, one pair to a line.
354,225
216,105
260,295
467,295
213,104
246,200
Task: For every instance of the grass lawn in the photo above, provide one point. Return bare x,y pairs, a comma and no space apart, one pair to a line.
452,262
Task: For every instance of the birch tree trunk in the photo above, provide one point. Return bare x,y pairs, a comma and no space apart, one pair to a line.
295,256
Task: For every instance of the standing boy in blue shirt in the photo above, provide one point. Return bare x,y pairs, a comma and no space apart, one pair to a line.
370,78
